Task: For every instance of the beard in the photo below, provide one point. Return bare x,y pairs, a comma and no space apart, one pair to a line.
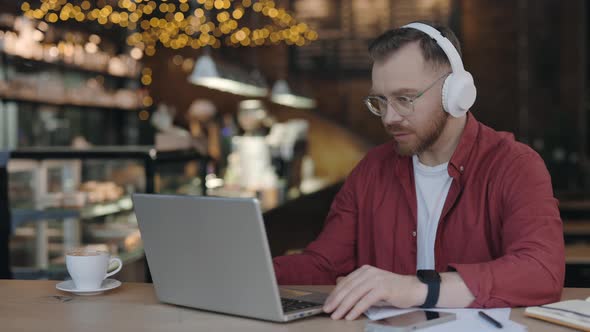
424,139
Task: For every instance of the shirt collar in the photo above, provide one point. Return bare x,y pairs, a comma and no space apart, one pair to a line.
459,159
457,164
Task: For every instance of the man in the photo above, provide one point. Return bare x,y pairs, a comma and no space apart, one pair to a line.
450,213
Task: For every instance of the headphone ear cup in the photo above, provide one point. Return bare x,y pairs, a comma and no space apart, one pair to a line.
445,93
468,92
460,93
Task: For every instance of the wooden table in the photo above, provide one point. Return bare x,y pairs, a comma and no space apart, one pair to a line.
38,306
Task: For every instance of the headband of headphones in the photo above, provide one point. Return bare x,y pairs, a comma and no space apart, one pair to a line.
443,42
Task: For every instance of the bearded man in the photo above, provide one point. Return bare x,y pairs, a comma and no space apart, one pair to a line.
449,213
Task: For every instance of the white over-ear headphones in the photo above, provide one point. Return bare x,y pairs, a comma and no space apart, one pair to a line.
458,93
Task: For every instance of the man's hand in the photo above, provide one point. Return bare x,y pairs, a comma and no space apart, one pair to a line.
369,285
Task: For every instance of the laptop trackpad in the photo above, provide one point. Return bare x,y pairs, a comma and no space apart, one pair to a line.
303,295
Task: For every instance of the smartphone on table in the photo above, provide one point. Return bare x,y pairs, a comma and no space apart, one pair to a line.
410,321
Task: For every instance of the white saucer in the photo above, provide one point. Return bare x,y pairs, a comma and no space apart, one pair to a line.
69,286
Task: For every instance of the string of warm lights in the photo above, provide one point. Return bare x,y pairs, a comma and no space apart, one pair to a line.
177,25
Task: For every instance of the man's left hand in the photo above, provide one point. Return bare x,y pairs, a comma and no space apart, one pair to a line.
369,285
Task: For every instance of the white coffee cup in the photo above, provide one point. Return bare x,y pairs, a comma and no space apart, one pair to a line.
88,268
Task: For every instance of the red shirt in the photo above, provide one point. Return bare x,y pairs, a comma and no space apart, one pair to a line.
500,227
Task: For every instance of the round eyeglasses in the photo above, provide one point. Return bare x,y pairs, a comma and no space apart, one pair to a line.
403,105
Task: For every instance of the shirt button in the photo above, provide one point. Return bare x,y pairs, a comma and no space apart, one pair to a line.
414,234
461,169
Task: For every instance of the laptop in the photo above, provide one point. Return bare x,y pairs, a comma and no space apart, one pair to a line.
212,253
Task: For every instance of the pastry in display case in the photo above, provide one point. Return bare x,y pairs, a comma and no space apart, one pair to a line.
65,198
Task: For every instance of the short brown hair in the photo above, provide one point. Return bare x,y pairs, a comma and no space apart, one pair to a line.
391,41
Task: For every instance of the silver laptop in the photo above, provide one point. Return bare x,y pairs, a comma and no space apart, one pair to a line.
212,254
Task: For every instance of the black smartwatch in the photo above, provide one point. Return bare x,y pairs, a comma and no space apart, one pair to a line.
432,279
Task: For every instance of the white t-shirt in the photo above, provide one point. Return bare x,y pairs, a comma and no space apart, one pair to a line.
432,187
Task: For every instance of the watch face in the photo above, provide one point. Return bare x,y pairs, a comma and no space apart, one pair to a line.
428,275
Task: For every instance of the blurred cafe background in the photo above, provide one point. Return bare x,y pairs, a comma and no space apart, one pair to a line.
250,98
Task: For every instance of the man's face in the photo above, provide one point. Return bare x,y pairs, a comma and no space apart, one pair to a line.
403,75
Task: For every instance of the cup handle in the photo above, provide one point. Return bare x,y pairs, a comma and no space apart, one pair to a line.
114,259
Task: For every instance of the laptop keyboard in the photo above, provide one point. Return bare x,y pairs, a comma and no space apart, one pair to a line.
294,305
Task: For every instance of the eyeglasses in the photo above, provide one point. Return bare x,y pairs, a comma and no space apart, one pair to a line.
403,105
